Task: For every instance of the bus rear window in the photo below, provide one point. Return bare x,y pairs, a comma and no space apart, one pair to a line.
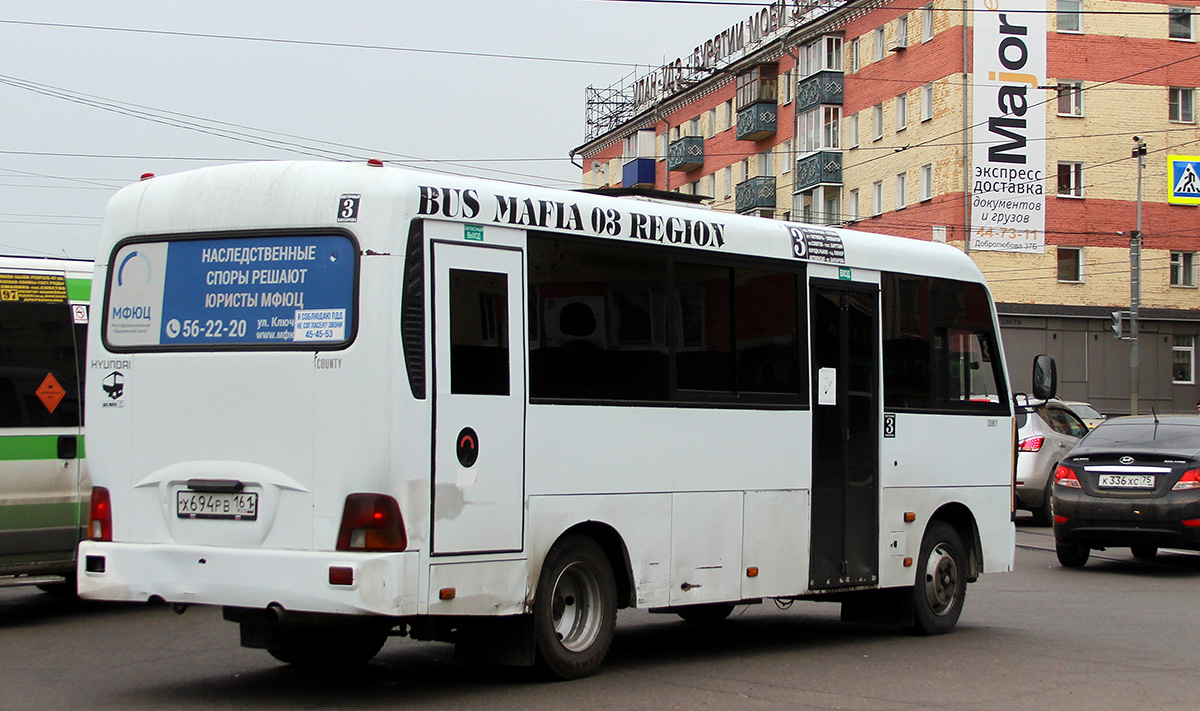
277,291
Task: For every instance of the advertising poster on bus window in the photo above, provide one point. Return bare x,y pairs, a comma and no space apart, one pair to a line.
1008,136
232,292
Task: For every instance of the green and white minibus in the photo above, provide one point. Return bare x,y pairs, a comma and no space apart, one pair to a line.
43,477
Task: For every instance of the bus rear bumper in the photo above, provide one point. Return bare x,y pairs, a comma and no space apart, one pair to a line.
309,581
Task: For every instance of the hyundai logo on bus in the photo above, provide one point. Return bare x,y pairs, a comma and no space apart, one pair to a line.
552,214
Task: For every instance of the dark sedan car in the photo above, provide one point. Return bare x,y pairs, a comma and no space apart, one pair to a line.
1132,482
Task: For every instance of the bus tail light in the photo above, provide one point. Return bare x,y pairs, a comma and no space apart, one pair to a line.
371,522
1189,480
1031,444
1065,476
100,515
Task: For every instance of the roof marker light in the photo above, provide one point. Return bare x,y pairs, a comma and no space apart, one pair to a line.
147,176
375,163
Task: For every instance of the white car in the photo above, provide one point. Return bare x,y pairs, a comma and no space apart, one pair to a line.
1045,433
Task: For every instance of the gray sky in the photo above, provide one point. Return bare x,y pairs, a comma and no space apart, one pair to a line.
486,114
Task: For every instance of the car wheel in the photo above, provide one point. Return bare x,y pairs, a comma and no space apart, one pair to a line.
1144,552
706,614
941,584
575,609
1071,555
1044,515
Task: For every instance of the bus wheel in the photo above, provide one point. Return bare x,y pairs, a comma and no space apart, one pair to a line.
706,614
941,584
575,608
331,647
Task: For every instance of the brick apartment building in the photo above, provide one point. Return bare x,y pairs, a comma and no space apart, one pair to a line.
1004,127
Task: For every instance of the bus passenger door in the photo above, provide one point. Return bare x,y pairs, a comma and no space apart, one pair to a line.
479,399
845,487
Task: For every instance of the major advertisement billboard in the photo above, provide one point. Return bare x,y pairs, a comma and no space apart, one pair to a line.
1008,175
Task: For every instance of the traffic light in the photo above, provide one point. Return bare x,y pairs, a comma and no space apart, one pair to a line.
1118,323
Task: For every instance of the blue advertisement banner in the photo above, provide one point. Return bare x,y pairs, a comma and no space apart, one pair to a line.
262,291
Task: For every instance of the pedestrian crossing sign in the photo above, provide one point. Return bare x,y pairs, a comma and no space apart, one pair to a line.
1184,174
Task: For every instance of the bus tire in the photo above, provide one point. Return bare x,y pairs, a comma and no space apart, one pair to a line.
575,609
708,614
941,585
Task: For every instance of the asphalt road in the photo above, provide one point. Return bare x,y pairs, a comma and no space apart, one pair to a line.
1117,634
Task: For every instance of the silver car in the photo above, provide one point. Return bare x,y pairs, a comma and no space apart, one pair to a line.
1045,433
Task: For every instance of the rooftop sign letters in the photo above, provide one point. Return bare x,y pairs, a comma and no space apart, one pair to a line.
725,47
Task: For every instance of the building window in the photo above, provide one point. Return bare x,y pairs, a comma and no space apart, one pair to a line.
693,128
787,87
1180,24
877,198
831,122
745,168
1070,98
765,166
852,205
878,43
901,32
1070,264
854,57
1183,358
833,207
927,182
1183,269
927,102
901,191
1182,105
1070,15
787,156
876,122
901,112
1070,179
727,182
926,23
833,53
712,123
728,123
708,185
852,139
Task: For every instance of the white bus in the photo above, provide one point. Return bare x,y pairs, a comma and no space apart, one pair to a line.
360,400
44,485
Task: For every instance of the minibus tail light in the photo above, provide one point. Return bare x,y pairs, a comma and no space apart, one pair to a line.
1065,476
100,515
371,522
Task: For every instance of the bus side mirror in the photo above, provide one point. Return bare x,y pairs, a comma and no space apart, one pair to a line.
1045,377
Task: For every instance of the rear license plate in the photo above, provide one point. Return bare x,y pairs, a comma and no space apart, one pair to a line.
239,506
1127,481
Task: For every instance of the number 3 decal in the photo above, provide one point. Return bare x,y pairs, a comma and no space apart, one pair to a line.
348,208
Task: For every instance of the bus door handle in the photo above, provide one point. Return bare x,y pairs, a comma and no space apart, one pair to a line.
68,447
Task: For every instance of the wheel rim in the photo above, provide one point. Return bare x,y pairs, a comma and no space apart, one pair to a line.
941,580
576,606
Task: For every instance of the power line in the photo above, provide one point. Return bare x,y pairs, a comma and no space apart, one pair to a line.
317,43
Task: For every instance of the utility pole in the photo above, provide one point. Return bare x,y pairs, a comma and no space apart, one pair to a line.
1135,278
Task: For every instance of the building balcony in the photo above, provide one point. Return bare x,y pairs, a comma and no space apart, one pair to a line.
757,121
685,154
755,194
823,168
638,172
821,88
